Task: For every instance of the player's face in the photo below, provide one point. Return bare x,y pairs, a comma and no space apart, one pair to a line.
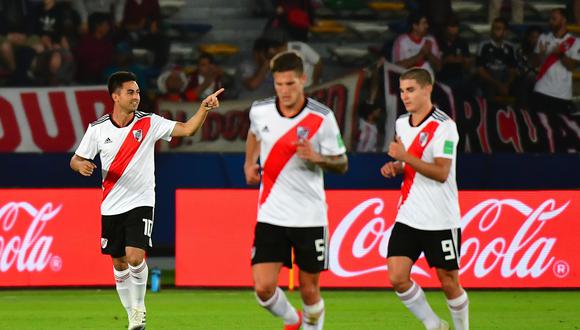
497,31
556,21
127,97
422,27
414,96
289,87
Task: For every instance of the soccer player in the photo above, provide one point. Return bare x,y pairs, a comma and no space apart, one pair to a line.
125,140
295,138
428,219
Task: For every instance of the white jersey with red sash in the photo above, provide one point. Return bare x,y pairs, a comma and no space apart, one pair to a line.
425,203
292,190
406,46
127,160
553,78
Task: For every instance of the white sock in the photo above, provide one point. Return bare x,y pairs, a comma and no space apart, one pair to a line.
415,300
459,308
279,306
139,276
123,283
313,317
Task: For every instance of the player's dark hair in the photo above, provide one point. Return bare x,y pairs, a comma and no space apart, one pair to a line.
562,12
502,21
209,57
287,61
117,79
414,18
421,76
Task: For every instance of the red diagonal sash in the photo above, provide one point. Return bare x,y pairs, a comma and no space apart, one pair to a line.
283,150
416,149
125,154
553,58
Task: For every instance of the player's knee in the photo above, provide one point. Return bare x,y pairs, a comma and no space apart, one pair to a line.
449,284
134,260
264,291
399,282
310,293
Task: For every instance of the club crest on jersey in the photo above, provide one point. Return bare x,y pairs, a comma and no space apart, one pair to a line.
423,137
302,132
138,135
104,242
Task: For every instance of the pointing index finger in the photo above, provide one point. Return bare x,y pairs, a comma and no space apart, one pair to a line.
218,92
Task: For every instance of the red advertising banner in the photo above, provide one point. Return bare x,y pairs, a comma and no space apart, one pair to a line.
51,237
511,239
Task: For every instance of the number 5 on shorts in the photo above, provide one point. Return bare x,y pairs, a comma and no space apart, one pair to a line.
447,247
319,244
148,227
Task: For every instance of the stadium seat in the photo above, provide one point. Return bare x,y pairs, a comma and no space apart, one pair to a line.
328,26
349,55
341,5
220,49
386,6
466,6
368,30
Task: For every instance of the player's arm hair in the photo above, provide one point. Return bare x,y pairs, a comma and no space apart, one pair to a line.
335,164
438,170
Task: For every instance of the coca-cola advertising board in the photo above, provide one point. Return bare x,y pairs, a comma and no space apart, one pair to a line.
510,239
51,237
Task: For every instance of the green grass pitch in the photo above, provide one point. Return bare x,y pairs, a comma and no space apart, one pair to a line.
237,309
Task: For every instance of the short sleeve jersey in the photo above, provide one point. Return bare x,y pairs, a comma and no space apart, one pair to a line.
127,159
425,203
292,190
554,79
406,46
310,58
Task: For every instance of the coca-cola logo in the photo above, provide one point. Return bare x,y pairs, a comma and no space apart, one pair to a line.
27,250
522,248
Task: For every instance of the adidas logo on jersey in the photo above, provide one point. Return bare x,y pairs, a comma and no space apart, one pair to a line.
265,129
108,140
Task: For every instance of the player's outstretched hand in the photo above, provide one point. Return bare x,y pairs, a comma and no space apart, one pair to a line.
397,149
391,169
252,173
87,168
211,102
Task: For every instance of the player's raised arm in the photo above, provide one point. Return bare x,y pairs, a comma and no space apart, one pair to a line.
81,165
190,127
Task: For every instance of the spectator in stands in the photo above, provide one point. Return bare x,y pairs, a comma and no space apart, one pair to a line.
15,54
254,74
142,28
172,85
112,9
206,79
437,12
55,21
417,47
310,58
517,10
496,63
123,60
95,50
54,65
456,61
527,69
576,9
559,54
292,17
369,115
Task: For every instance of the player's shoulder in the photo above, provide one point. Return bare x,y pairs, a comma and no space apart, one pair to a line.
269,101
142,114
403,117
440,116
318,107
102,119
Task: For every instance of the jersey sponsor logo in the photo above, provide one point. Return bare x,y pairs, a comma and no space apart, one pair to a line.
282,151
138,135
108,140
448,147
265,129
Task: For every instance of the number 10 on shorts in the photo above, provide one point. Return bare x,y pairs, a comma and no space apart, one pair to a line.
148,227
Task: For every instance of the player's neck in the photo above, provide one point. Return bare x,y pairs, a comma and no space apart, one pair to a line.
417,117
122,118
292,110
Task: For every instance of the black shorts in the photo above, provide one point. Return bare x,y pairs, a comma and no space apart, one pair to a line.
441,247
132,228
274,244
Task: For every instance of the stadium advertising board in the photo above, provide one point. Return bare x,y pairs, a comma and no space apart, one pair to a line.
51,237
511,239
49,119
489,127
